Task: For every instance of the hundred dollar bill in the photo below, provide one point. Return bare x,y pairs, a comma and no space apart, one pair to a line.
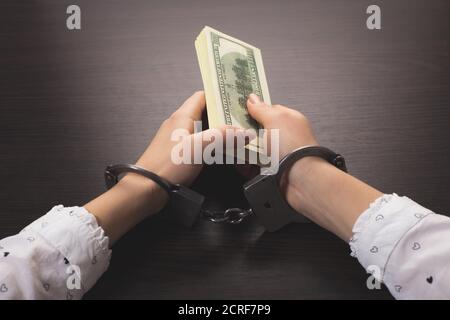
231,69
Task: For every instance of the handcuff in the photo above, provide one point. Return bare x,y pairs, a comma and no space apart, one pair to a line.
266,201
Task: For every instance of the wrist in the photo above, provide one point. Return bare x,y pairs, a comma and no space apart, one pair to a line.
298,181
327,195
143,192
126,204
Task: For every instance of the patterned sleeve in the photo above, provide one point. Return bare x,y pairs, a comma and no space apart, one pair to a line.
407,244
59,256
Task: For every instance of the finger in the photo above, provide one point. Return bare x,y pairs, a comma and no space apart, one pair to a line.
226,134
258,109
194,106
239,137
221,138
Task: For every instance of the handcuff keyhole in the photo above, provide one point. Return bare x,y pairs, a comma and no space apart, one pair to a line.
267,205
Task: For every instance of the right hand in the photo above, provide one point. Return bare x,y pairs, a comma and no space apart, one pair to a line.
295,131
312,186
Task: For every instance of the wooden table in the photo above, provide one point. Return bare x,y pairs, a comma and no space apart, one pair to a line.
72,102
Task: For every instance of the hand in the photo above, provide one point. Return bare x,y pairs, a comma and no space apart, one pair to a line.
157,156
295,131
313,187
135,197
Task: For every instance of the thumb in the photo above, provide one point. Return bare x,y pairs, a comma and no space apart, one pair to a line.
257,108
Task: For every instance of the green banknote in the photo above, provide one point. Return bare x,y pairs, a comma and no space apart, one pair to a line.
231,69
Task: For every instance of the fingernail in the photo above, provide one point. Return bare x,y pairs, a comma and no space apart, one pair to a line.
253,98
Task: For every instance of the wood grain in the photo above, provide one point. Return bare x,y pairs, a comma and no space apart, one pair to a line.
73,102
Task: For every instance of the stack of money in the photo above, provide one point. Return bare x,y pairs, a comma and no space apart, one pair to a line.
231,69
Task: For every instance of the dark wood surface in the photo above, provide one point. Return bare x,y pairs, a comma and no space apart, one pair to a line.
73,102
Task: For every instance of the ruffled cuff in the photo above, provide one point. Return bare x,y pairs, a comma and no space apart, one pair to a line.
380,228
74,232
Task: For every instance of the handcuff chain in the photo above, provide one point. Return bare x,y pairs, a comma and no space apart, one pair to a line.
230,215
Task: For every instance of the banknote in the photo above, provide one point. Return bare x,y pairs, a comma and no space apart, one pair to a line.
231,69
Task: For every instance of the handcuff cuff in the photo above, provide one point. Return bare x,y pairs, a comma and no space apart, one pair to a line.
266,201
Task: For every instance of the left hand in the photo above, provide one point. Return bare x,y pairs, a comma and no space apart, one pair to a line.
135,197
157,157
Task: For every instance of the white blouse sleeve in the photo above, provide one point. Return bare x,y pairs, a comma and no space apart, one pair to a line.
409,246
59,256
